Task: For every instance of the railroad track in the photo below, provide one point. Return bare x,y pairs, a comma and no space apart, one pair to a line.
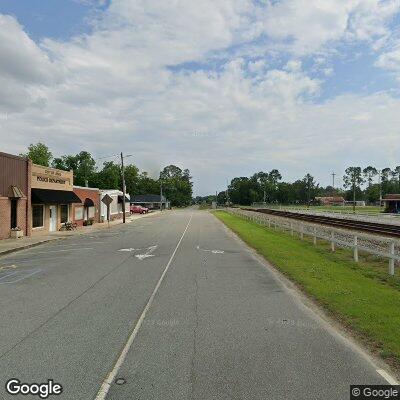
370,227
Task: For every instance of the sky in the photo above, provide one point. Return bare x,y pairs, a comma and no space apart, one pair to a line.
224,88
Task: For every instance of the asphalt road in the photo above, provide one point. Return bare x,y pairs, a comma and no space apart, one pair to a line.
219,325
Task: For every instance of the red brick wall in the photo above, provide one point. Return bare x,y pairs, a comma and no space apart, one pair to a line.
84,194
5,213
5,216
15,171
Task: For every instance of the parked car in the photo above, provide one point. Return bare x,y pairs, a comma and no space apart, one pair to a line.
139,209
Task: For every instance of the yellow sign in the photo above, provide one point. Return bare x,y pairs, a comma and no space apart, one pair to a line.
51,178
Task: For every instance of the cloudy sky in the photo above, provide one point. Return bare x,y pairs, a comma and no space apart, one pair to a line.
223,87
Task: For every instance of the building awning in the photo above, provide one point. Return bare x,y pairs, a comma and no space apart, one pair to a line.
88,203
121,199
392,197
46,196
14,192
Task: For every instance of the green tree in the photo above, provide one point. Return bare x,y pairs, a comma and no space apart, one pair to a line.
39,153
147,185
274,178
386,174
396,177
83,165
369,174
132,179
109,177
353,179
261,178
177,185
310,188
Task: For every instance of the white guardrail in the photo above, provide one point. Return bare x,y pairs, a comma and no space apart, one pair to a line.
376,245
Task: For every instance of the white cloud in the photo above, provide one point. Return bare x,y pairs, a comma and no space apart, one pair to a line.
23,68
390,60
121,88
308,26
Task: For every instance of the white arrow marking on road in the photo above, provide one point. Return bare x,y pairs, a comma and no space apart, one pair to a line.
129,249
211,251
147,254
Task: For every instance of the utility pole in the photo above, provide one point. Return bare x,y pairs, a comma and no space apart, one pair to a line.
380,188
333,179
227,193
160,195
123,188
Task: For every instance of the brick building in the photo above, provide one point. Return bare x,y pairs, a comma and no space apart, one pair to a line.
15,194
52,198
87,212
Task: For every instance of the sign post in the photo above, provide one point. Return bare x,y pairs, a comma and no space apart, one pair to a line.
107,200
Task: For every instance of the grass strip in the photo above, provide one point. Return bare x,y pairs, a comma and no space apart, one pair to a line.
354,293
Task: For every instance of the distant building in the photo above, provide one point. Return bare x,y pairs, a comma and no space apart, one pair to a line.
392,203
151,201
330,200
116,207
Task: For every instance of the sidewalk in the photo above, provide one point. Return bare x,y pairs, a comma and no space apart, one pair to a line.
11,245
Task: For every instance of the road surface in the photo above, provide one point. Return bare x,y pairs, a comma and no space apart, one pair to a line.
211,321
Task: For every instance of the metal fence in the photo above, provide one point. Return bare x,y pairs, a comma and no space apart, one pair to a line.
376,245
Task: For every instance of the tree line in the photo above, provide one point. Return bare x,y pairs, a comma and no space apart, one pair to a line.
176,184
362,184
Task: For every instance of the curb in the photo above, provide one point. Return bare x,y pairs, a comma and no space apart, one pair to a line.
15,249
27,246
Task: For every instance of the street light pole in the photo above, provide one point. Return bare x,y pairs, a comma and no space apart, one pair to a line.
123,188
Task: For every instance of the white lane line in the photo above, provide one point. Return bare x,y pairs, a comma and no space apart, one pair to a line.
10,274
21,277
388,377
76,244
105,387
57,251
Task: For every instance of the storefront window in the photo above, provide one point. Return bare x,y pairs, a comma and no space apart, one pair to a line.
37,216
64,213
79,213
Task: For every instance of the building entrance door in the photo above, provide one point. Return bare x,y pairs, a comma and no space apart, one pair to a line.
53,218
14,217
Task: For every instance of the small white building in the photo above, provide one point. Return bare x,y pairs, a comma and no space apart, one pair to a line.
116,206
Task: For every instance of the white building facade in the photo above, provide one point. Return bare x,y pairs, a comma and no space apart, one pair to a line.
116,206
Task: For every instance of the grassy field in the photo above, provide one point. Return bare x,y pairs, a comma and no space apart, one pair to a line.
349,209
362,296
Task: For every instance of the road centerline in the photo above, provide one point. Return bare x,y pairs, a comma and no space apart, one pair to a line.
105,387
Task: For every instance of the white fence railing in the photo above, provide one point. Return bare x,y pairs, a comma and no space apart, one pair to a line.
376,245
